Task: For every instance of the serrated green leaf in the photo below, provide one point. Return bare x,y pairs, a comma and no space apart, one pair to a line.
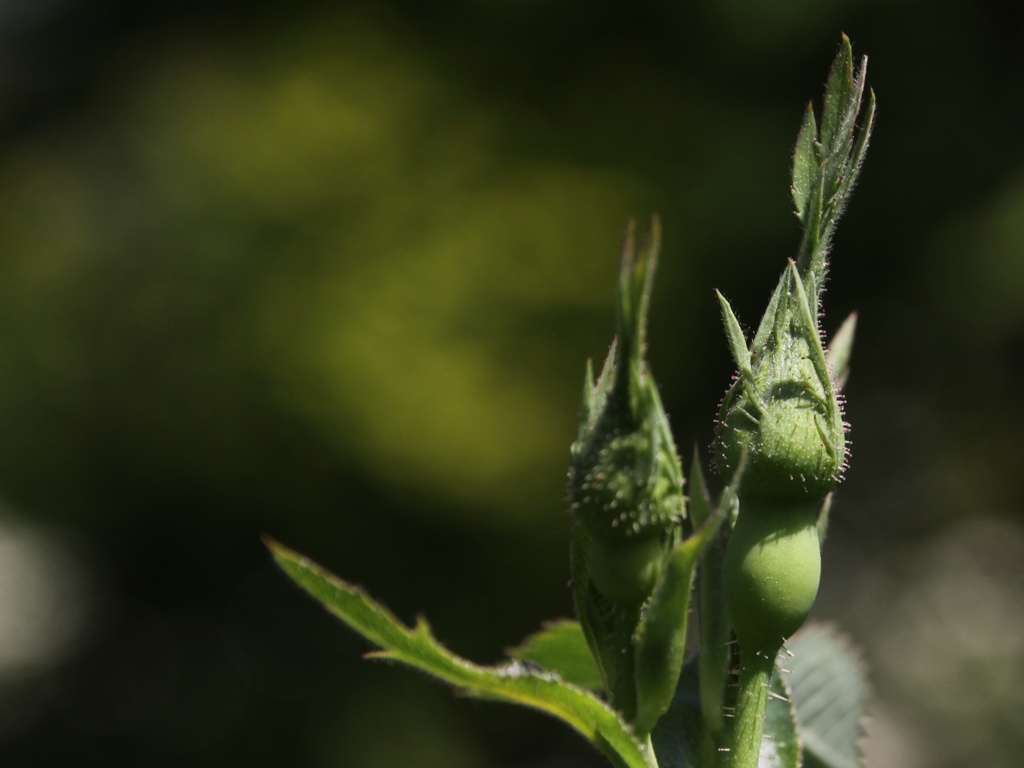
830,694
837,160
867,125
859,149
780,744
838,92
842,169
805,162
561,647
842,142
514,683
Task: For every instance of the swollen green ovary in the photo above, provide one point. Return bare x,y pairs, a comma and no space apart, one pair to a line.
626,570
772,569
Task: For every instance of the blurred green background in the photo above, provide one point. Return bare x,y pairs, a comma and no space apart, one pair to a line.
331,272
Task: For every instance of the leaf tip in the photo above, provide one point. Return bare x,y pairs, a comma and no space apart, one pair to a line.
278,550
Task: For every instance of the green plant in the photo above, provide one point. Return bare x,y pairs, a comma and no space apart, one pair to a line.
619,675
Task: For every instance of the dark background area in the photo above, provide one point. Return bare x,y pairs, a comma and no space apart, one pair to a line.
331,271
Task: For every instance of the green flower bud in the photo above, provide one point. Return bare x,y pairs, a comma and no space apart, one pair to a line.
782,423
625,479
782,415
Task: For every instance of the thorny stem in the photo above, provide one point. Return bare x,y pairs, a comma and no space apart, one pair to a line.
745,746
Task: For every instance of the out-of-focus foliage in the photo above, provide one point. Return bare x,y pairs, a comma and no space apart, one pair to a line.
330,272
333,216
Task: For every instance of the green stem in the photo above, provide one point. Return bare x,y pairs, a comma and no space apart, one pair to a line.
652,757
755,675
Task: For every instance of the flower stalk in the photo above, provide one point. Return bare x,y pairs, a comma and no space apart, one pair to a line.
782,417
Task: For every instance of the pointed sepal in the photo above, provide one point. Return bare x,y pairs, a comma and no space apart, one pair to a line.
734,335
839,351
